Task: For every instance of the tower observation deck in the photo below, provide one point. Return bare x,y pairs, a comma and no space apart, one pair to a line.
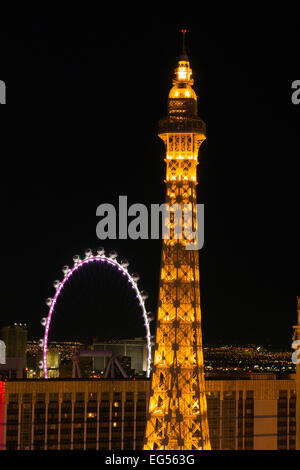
177,414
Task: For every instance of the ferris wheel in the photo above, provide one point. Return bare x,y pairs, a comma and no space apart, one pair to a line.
82,264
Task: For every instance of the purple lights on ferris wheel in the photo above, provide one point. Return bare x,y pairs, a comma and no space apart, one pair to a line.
68,272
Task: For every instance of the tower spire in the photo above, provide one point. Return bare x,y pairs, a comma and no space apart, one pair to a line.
183,55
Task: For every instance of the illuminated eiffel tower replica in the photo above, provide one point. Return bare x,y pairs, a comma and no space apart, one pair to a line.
177,414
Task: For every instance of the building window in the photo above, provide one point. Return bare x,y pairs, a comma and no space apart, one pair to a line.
292,420
249,420
228,420
282,420
213,416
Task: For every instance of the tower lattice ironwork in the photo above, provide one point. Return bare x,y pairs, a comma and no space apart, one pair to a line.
177,414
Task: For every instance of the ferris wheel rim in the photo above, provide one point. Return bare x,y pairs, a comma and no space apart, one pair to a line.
68,274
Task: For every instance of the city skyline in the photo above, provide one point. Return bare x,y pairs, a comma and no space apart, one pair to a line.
158,342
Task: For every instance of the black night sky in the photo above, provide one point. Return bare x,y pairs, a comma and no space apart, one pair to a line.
85,91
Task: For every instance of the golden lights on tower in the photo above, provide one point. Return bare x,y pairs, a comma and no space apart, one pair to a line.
177,413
